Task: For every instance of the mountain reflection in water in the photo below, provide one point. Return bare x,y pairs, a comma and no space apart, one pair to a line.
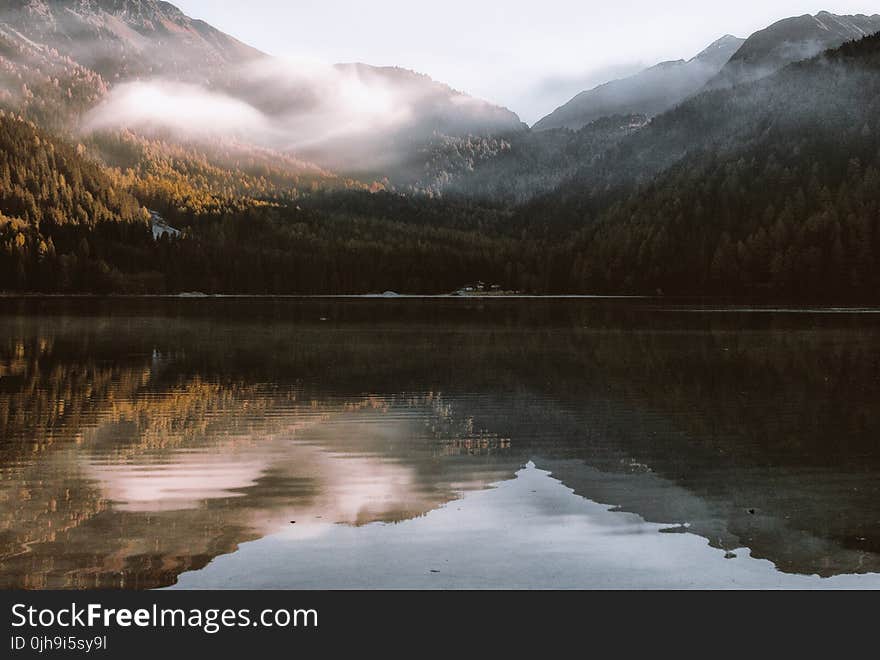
142,439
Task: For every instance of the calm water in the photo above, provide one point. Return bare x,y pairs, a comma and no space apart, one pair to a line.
202,443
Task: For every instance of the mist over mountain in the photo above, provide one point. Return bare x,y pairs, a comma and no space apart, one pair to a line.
361,119
356,119
791,40
161,73
649,92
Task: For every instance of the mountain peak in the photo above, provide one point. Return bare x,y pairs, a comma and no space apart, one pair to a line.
790,40
649,92
720,50
726,39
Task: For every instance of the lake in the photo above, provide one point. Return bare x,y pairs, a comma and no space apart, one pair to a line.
335,443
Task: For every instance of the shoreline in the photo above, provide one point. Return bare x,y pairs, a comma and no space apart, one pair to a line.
706,304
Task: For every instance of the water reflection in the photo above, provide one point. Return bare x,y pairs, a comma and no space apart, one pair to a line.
124,504
527,532
142,439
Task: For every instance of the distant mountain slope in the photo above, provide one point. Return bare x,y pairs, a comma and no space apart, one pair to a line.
767,188
124,38
46,86
790,40
449,110
144,60
513,169
649,93
417,110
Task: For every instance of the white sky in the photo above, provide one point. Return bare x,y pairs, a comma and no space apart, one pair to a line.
526,55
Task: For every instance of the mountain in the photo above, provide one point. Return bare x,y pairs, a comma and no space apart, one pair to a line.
790,40
414,111
121,39
765,189
449,111
513,168
650,92
143,60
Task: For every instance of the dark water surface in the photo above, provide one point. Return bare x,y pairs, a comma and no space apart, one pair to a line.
335,443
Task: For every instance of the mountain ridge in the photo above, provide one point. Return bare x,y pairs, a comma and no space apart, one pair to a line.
790,40
648,92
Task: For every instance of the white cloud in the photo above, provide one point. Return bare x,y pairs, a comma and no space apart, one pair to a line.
280,103
180,108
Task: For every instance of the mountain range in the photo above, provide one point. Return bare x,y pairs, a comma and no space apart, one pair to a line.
725,63
130,57
750,169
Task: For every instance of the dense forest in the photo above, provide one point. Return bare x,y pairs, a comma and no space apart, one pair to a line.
70,225
768,189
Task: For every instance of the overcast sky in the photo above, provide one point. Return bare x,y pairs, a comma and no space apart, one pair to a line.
529,56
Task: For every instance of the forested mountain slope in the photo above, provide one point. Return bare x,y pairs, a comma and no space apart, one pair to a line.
511,169
774,189
60,214
69,224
